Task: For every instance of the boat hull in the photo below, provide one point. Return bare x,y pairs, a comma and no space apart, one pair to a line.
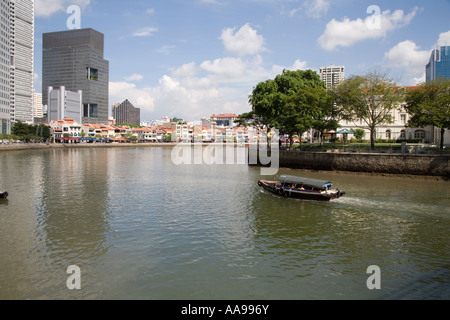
300,194
4,195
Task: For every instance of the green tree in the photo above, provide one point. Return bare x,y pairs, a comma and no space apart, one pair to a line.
290,103
359,134
430,105
371,98
21,129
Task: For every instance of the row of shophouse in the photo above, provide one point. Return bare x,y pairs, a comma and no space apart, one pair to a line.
208,130
69,131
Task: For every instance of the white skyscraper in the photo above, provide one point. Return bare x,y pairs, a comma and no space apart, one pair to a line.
332,75
22,59
37,105
16,62
5,66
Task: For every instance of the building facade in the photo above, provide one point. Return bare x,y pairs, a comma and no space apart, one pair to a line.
37,105
439,65
5,66
22,60
224,120
63,104
74,59
125,112
16,62
332,75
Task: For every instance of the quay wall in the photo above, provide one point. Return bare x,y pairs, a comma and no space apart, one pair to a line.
424,165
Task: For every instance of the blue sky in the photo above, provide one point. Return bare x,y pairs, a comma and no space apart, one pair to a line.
196,58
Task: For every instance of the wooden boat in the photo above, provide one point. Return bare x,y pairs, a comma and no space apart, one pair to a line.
4,195
302,188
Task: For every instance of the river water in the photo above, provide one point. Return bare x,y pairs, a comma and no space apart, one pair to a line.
140,227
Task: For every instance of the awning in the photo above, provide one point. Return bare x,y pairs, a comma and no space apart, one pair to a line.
345,131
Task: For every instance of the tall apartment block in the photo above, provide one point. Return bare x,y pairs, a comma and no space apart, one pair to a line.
5,66
16,62
37,105
125,112
332,75
439,65
74,59
22,60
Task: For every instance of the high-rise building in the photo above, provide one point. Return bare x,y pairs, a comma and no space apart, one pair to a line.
5,66
16,62
64,104
439,65
37,105
125,112
74,59
332,75
22,59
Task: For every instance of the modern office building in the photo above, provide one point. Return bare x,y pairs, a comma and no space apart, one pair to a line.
439,65
63,104
125,112
74,59
332,75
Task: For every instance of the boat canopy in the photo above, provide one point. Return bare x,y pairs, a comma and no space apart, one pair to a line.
304,181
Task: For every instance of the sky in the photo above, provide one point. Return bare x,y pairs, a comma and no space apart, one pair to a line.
194,58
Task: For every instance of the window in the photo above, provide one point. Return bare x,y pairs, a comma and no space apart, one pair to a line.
389,134
92,74
403,134
403,118
420,134
93,110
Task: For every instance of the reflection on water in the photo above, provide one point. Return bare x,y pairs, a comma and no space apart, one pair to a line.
140,227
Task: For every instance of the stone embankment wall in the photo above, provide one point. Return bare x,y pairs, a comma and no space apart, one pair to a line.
426,165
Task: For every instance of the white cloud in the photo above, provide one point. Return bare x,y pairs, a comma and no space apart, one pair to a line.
198,89
316,8
139,97
150,11
411,59
166,50
229,67
46,8
244,42
409,56
347,32
444,39
186,70
145,32
298,65
134,77
193,91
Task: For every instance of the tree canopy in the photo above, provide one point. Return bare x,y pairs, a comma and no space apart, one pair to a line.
30,132
430,105
293,102
371,98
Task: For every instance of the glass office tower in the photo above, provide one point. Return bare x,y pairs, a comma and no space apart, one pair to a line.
74,59
439,66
